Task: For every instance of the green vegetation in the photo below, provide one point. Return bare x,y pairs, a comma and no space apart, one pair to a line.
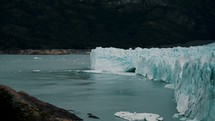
81,24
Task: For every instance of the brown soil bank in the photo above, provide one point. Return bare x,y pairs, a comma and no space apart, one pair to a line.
19,106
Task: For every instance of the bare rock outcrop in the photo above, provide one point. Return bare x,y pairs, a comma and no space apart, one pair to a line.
20,106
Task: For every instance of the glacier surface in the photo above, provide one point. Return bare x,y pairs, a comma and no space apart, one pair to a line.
191,70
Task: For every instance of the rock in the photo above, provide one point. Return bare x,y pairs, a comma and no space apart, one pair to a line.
90,115
20,106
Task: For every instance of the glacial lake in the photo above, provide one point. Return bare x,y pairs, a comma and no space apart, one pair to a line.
59,80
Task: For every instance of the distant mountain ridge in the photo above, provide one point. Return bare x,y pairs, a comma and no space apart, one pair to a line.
81,24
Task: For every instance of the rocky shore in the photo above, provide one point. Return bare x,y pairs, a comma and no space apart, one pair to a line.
20,106
46,51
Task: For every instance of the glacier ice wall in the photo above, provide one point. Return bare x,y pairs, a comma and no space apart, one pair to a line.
191,70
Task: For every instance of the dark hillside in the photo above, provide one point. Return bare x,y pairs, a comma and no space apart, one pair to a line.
81,24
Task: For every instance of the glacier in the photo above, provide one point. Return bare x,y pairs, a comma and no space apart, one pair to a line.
190,69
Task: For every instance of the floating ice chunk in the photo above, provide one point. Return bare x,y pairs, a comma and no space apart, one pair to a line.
138,116
90,71
36,70
170,86
37,58
176,115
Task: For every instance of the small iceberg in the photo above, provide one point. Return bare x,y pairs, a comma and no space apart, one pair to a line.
176,115
138,116
37,58
36,70
89,71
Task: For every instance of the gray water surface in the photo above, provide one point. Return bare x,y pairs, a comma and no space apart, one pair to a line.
55,79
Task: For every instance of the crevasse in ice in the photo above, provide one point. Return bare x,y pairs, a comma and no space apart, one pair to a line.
191,70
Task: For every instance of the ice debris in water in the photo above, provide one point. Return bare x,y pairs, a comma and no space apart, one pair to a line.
176,115
138,116
36,70
37,58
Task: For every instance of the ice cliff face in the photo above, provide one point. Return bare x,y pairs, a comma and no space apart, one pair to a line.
191,70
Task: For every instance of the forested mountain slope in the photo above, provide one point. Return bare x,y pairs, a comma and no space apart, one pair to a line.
80,24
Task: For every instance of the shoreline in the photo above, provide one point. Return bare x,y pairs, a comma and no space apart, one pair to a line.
87,51
46,51
20,106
